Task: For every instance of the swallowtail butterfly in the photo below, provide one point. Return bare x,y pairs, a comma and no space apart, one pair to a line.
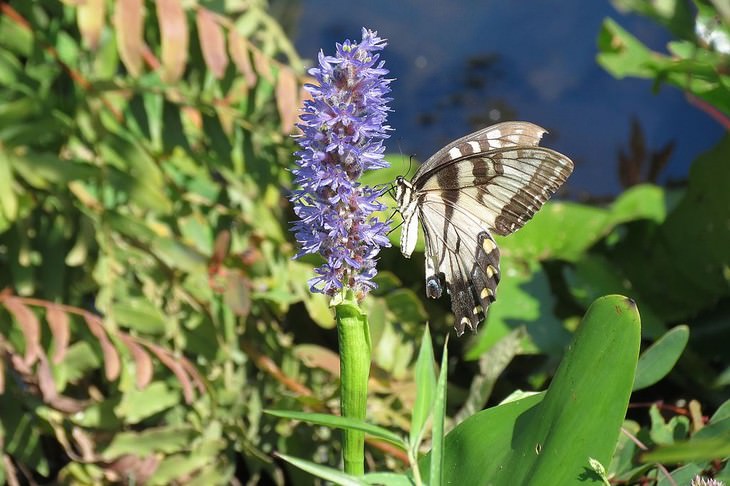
489,182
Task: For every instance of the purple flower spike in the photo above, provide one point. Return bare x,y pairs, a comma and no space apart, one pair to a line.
343,129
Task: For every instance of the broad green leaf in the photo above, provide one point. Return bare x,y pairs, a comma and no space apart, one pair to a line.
151,440
324,472
622,54
405,306
659,359
426,386
682,475
137,405
547,439
667,432
562,230
595,275
338,422
688,255
524,299
645,201
140,314
179,466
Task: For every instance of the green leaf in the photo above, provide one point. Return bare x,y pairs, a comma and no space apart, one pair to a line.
560,230
324,472
149,441
140,314
622,54
8,199
426,389
388,479
547,439
644,201
524,299
659,359
177,466
436,470
137,405
338,422
681,475
665,433
405,306
690,451
690,251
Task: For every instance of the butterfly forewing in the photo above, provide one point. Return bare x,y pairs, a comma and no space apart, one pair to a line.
492,181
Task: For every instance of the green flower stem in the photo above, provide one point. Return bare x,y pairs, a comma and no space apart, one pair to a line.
354,339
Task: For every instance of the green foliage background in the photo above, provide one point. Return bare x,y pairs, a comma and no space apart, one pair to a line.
150,306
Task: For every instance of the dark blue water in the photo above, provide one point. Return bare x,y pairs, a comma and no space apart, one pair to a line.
462,65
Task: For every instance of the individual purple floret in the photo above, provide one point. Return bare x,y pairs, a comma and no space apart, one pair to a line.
343,128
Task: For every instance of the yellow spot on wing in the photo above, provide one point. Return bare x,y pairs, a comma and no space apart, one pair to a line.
488,245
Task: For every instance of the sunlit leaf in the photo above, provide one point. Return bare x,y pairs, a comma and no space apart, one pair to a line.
58,322
128,25
426,388
112,362
238,47
659,359
547,439
286,99
212,42
91,21
324,472
149,441
336,421
174,39
29,325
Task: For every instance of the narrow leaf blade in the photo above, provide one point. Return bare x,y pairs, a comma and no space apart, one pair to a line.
426,386
324,472
336,421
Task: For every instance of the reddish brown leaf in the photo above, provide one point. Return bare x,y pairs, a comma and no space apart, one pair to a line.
112,363
142,361
177,369
90,18
58,321
30,327
212,42
49,392
263,65
238,47
174,32
128,23
194,374
314,356
286,99
130,466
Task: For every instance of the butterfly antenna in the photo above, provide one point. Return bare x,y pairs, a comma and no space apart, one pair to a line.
410,163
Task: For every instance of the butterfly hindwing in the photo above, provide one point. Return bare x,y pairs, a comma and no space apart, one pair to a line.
460,251
489,182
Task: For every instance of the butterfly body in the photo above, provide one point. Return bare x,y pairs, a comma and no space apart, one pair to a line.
489,182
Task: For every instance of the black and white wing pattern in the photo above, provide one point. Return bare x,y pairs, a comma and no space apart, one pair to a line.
489,182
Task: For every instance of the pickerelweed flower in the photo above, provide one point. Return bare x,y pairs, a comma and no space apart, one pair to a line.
343,128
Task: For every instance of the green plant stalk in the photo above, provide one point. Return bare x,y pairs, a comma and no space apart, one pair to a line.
353,334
